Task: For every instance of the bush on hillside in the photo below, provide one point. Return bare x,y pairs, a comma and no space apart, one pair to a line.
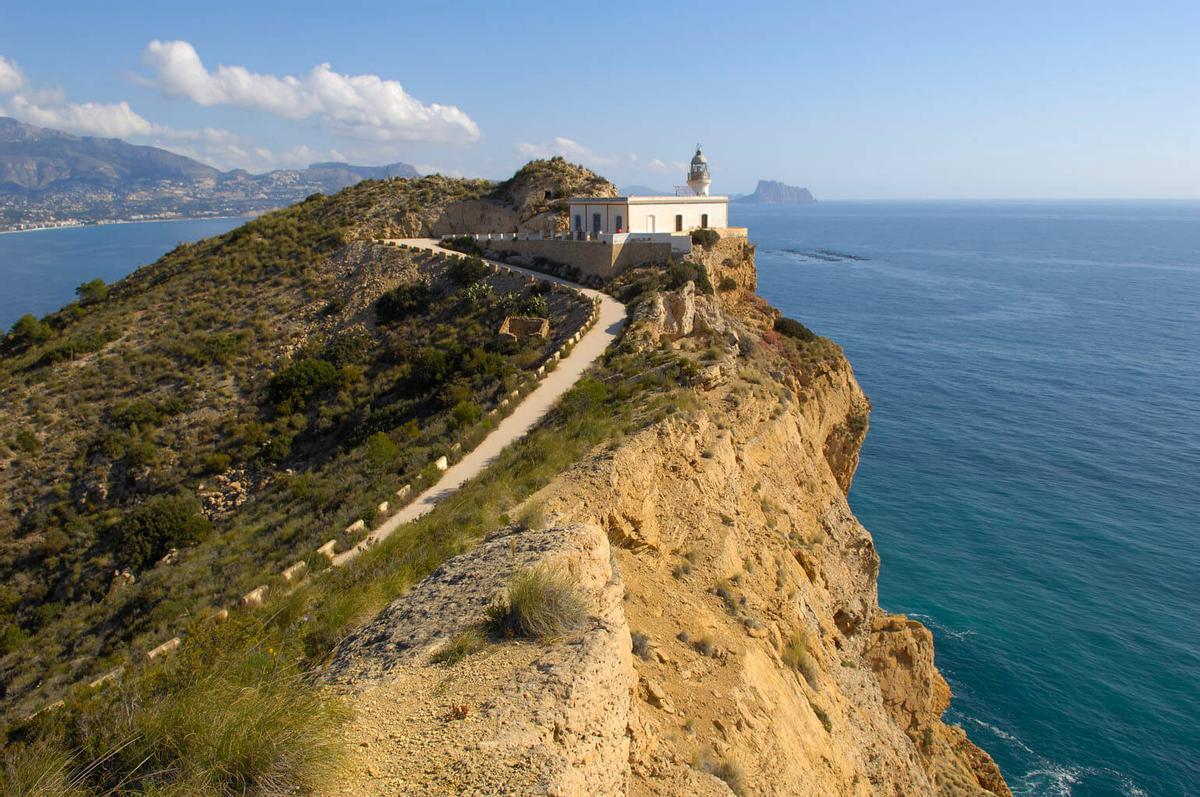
462,243
794,329
28,331
295,385
92,292
147,532
401,302
679,274
466,270
705,237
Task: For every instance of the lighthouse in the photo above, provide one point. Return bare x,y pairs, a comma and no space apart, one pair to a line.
697,178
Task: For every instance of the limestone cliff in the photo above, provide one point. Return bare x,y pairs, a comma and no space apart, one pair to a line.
764,664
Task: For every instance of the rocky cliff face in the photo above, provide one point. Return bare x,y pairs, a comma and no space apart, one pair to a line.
764,664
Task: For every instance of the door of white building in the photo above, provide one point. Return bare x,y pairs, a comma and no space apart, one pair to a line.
650,223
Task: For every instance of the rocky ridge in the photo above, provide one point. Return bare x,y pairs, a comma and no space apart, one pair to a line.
748,588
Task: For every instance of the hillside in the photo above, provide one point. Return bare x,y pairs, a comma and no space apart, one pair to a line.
772,192
660,590
253,375
49,177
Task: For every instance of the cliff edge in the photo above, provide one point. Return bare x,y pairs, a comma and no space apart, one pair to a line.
734,641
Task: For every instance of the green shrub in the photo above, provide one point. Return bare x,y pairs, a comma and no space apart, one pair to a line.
146,414
28,331
381,451
401,302
217,462
794,329
147,532
727,283
679,274
542,603
295,385
466,270
431,368
462,243
92,292
705,237
465,413
535,306
27,441
349,348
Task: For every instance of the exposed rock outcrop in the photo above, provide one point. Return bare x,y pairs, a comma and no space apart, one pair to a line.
516,718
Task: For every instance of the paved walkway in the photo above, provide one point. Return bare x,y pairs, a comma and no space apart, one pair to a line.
527,413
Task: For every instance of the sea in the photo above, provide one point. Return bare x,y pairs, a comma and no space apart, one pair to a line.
1032,472
40,269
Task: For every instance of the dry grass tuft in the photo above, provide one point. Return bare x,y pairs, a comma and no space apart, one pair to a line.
543,602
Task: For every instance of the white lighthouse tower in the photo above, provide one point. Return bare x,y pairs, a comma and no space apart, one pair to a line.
697,178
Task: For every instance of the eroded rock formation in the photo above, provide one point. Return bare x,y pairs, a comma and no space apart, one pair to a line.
764,664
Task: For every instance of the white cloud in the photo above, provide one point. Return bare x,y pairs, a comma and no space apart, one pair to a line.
361,106
107,120
11,77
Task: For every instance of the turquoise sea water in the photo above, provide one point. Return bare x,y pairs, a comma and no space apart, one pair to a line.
40,269
1032,473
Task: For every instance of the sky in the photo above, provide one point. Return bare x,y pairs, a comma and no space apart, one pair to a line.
854,100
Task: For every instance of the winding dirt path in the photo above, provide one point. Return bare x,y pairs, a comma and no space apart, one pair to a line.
532,408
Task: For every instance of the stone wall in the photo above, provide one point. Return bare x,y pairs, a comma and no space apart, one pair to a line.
592,258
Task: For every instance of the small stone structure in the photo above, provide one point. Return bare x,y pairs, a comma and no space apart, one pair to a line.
255,597
327,550
167,647
520,327
442,463
294,570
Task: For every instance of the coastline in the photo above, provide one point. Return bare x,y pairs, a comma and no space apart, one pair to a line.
126,221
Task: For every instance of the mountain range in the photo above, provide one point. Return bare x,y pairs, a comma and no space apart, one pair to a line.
52,178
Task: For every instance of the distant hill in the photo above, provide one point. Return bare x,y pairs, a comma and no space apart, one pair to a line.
49,177
771,192
644,190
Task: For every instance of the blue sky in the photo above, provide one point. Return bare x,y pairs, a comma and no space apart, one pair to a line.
854,100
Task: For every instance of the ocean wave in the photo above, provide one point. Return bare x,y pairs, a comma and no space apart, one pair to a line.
943,630
1046,778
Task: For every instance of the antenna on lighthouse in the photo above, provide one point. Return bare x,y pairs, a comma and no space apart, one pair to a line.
698,179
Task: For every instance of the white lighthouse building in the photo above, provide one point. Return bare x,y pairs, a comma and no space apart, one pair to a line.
698,179
642,216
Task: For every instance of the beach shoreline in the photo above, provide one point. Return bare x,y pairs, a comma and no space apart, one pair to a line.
112,222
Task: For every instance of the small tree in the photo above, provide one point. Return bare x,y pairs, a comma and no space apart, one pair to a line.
29,331
149,531
92,292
